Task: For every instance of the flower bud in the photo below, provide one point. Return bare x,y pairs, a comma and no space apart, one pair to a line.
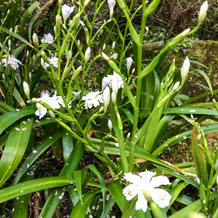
113,45
177,84
86,3
9,43
26,89
203,12
66,11
128,135
104,46
109,124
185,69
58,19
111,4
51,113
114,97
129,62
35,39
105,56
106,98
87,54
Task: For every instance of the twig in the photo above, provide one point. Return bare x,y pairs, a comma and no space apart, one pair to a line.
44,7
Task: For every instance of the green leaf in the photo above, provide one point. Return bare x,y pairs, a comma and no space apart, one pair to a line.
185,212
175,191
17,36
192,110
29,11
199,157
72,163
101,181
80,209
14,149
38,150
67,141
33,186
21,207
11,117
78,182
116,191
128,114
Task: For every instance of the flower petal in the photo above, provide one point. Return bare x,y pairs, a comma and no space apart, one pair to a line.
146,176
159,180
132,178
160,197
130,191
141,203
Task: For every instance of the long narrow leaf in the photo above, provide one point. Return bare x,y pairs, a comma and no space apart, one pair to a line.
14,149
11,117
33,186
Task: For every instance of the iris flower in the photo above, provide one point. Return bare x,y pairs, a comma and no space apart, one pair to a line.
146,182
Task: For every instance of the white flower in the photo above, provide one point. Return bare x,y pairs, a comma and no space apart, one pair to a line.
146,181
66,11
54,102
110,79
54,61
44,64
11,61
48,38
92,99
203,12
176,85
129,62
41,111
111,4
106,98
185,68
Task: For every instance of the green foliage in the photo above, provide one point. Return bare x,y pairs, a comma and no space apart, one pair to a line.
140,103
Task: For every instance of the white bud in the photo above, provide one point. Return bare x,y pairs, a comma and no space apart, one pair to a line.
111,4
105,56
79,68
66,11
114,97
129,62
109,125
104,46
51,113
87,54
9,43
26,89
133,70
185,32
177,84
30,75
185,68
203,12
35,39
128,135
113,45
78,42
86,3
106,98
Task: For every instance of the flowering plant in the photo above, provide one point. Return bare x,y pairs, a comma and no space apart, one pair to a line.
118,115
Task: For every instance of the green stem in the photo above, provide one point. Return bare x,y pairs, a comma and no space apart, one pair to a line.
124,162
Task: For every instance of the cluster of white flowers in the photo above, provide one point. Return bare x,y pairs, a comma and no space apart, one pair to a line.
95,98
53,61
111,79
10,60
92,99
54,102
48,38
146,182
